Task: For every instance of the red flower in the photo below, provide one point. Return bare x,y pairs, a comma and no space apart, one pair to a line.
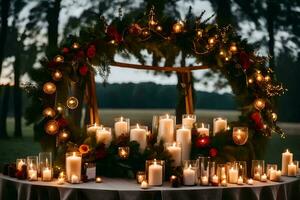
256,117
65,50
244,60
62,123
91,52
135,29
113,33
213,152
83,70
202,142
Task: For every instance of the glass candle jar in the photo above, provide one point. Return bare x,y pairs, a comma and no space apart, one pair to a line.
219,125
188,120
175,151
45,159
123,152
104,136
155,172
233,173
32,168
19,163
240,135
190,172
140,177
203,130
204,170
222,174
121,126
73,167
257,169
292,169
242,171
138,133
166,128
270,167
213,177
92,129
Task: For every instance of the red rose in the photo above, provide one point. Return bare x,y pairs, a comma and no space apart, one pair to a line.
113,33
213,152
244,60
91,52
65,50
256,117
83,70
135,29
79,55
202,142
62,123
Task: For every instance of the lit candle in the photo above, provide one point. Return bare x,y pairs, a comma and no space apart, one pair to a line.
20,164
287,158
188,121
121,127
233,175
46,174
73,167
61,179
189,176
203,131
219,125
278,175
224,183
240,135
98,180
175,152
103,135
258,172
215,180
166,129
184,137
240,181
263,178
139,134
75,179
250,181
155,174
292,169
32,174
274,175
92,129
144,185
204,180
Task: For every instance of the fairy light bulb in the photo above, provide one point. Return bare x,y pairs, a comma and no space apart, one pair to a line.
158,28
178,27
211,41
250,80
199,33
72,102
57,75
233,48
49,112
274,116
52,127
49,88
259,104
59,59
75,45
267,78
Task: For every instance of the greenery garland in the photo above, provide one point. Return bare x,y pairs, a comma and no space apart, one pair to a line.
220,48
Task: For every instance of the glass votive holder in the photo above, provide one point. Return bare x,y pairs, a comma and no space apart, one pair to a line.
139,133
257,169
242,171
174,181
19,163
166,128
91,129
73,167
175,151
45,159
104,136
222,174
188,120
155,170
213,177
297,166
204,170
32,168
140,177
240,135
219,125
61,178
292,169
270,167
233,173
190,172
124,152
122,126
203,130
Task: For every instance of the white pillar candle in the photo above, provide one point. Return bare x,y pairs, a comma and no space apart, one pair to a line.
103,135
215,180
184,136
121,127
175,152
263,178
73,167
219,125
224,183
204,180
203,131
240,181
47,174
166,129
233,175
75,179
155,174
250,181
256,176
292,169
139,134
287,158
273,174
189,176
188,121
92,129
278,175
32,174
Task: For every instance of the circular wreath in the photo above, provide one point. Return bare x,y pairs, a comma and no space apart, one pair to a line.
219,48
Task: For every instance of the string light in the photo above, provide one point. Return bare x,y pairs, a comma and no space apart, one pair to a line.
178,27
60,108
259,104
267,78
59,59
52,127
274,116
159,28
250,80
72,102
211,40
49,88
64,135
57,75
259,77
222,53
145,33
75,45
233,48
199,33
49,112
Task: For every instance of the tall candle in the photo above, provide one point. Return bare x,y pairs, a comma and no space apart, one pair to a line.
92,129
219,125
175,152
139,134
121,127
47,174
189,176
287,158
188,121
203,131
292,170
240,181
166,129
155,174
184,136
73,167
215,180
103,135
233,175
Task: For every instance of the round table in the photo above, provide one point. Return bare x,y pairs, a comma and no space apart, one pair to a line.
111,189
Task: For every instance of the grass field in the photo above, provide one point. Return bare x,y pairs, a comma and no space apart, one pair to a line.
11,148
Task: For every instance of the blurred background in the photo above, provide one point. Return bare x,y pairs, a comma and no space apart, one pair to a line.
32,29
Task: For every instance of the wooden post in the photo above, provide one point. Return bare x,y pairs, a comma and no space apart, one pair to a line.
189,105
92,100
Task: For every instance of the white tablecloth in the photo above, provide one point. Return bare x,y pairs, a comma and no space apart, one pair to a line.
121,189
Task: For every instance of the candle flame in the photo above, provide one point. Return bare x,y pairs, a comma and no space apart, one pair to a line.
190,166
137,126
287,151
154,161
121,118
74,154
202,125
174,144
167,116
